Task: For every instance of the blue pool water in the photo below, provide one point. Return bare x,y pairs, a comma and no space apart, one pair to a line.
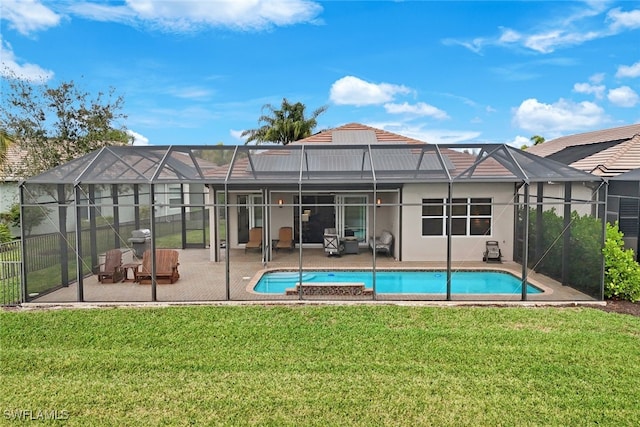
401,282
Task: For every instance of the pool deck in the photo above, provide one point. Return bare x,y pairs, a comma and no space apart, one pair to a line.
202,281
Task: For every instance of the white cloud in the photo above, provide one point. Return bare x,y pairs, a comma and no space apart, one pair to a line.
12,67
237,135
194,15
419,109
190,92
138,139
474,45
581,25
629,70
597,78
103,13
563,115
597,90
509,36
623,20
623,96
551,40
519,141
351,90
27,16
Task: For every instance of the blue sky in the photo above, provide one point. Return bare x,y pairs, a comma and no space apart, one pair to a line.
199,72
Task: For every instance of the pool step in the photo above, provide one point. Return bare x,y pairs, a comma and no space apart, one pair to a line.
331,288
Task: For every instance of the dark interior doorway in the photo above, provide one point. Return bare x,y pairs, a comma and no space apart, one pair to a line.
321,214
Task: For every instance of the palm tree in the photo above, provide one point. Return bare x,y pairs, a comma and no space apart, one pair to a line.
284,125
5,141
537,139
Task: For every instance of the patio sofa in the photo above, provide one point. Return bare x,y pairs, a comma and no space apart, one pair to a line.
382,243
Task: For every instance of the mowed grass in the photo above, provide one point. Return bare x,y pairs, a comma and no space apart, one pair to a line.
322,365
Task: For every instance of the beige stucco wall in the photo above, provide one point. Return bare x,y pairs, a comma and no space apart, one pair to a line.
416,247
386,216
281,216
580,193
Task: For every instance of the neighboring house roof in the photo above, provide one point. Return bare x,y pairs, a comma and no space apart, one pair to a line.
632,175
606,153
13,163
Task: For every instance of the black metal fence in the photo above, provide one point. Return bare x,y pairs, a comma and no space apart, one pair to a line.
10,273
43,251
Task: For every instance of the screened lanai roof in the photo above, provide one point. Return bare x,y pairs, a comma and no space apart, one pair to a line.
311,163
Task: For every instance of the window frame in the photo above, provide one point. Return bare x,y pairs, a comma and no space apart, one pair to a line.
464,211
174,195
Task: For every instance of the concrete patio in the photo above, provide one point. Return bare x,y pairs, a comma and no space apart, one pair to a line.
202,280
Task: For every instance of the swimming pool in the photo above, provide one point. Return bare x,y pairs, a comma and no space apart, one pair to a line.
401,281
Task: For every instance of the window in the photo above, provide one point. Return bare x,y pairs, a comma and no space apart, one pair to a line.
175,195
628,211
433,217
469,217
480,212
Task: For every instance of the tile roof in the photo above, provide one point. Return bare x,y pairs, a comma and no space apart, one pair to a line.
349,154
14,160
607,152
359,134
356,133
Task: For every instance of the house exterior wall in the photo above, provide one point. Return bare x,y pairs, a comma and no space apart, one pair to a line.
9,195
386,216
281,216
416,247
556,191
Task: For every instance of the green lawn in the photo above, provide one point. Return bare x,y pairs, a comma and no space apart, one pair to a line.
322,365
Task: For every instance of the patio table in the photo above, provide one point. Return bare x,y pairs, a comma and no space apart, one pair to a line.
133,266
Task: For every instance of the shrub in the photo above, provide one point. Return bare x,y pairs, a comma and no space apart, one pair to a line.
585,256
549,261
622,272
5,234
584,260
33,216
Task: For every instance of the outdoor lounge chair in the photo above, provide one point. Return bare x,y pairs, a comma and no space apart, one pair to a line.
285,238
492,252
166,267
332,243
382,243
111,271
255,239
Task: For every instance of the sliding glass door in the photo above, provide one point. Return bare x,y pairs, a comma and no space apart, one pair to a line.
352,216
250,214
346,213
318,213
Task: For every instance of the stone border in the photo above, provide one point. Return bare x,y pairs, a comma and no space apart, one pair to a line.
330,289
444,304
